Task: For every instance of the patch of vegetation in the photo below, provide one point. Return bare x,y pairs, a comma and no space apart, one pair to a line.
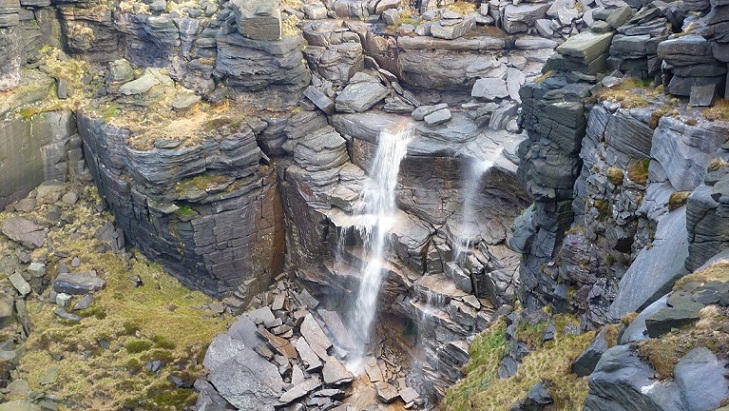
665,352
718,271
678,199
137,346
615,175
719,112
185,211
135,324
486,353
464,8
481,389
630,93
657,114
96,311
161,341
638,171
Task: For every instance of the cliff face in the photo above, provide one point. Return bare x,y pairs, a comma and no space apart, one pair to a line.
233,140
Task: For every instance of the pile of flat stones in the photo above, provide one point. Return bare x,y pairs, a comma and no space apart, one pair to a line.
291,353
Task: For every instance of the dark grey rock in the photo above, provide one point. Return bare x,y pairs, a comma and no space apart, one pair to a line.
586,362
241,376
78,284
66,315
655,269
359,97
258,19
676,316
622,381
700,376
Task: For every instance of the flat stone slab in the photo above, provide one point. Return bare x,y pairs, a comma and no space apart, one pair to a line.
336,327
313,333
20,284
359,97
307,354
300,390
386,393
335,374
23,231
241,376
78,284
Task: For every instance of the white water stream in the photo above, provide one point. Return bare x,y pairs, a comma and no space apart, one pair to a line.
377,217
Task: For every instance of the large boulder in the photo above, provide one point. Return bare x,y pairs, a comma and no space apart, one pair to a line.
623,382
656,268
241,376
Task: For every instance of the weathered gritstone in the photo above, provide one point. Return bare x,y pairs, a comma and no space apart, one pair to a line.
207,211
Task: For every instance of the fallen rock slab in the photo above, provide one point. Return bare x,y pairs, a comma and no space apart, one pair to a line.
300,390
335,374
23,231
78,284
241,376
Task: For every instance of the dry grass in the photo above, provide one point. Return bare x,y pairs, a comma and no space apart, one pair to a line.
678,199
463,7
638,171
719,112
631,93
665,352
718,271
615,175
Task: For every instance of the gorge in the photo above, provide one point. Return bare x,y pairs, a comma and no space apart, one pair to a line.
364,205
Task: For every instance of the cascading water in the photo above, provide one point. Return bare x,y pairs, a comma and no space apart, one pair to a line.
468,226
377,217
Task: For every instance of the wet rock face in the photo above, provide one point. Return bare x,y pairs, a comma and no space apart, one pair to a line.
45,147
209,212
10,60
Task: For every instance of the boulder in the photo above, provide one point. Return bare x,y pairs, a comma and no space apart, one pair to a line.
622,381
24,232
241,376
452,31
359,97
701,378
20,284
655,269
586,362
490,88
78,284
335,374
675,316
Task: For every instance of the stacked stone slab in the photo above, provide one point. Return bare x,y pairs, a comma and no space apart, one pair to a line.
635,46
586,53
258,19
553,113
706,214
192,207
334,53
691,64
716,30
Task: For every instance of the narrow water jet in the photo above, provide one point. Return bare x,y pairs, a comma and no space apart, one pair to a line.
377,215
468,228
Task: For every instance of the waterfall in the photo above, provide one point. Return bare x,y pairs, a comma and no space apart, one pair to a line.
377,216
468,226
